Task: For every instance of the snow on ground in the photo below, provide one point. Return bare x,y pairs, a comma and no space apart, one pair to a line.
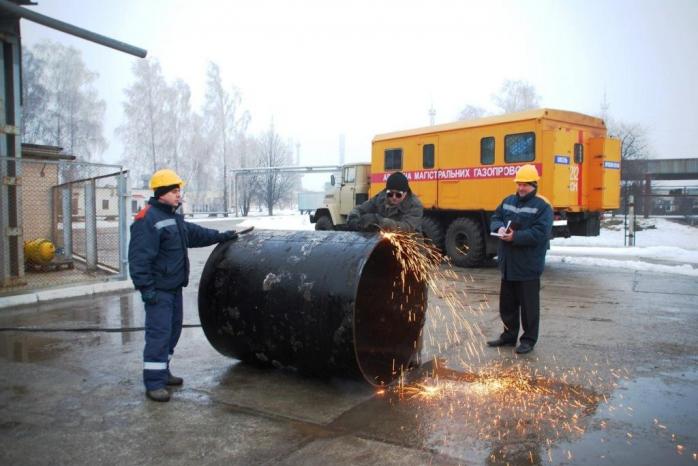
672,244
655,232
283,221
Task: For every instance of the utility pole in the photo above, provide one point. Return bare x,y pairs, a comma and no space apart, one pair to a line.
342,149
432,114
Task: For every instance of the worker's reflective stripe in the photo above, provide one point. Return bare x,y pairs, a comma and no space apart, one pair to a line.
518,210
165,223
154,366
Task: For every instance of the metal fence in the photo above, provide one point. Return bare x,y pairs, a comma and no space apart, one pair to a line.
661,200
81,209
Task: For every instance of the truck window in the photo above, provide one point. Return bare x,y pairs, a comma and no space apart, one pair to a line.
520,147
393,159
349,174
487,151
578,153
428,156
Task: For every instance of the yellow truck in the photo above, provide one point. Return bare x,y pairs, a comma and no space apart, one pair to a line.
461,171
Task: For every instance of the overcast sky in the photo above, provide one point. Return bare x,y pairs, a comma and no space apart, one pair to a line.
360,68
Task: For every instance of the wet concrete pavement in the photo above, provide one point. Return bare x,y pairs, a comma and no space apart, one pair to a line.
613,380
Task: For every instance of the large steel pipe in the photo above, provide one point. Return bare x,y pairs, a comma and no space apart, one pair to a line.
323,302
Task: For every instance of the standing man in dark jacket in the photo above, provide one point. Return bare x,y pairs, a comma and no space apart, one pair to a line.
159,267
394,208
523,221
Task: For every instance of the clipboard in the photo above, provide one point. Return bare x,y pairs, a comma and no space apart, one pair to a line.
495,233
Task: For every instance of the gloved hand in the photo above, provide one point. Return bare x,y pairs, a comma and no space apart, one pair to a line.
149,296
353,223
227,236
370,222
387,223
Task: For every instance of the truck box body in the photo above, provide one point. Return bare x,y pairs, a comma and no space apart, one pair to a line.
310,200
470,165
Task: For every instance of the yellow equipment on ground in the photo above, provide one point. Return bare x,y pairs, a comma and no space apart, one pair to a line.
39,251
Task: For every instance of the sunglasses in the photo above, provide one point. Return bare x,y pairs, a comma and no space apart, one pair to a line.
397,194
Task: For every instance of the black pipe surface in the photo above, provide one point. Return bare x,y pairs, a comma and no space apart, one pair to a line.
323,302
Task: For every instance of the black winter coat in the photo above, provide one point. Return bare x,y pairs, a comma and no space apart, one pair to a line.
157,252
532,221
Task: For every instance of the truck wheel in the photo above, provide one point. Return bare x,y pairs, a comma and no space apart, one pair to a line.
464,243
324,223
432,229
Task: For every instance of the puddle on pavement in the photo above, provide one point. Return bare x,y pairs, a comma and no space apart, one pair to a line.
512,418
648,420
37,347
57,328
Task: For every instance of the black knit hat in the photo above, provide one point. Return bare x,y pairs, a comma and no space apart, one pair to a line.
162,190
397,182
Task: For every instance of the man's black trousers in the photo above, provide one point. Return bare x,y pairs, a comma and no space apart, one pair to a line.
523,296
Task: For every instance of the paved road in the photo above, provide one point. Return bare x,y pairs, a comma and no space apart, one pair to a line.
613,380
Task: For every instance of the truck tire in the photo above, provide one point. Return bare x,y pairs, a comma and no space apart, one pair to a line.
464,243
433,231
324,222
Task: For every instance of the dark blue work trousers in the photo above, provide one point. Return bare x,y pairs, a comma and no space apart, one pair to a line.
523,296
163,326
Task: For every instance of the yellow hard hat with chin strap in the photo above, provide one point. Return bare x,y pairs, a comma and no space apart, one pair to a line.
165,177
527,174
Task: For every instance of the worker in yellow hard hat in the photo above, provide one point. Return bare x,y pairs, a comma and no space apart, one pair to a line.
159,268
523,222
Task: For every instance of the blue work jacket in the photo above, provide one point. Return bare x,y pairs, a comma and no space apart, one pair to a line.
157,252
531,219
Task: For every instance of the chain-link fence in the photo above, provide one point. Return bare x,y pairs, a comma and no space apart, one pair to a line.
73,223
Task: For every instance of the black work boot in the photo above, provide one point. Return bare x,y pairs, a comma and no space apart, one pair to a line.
159,394
173,380
500,342
524,348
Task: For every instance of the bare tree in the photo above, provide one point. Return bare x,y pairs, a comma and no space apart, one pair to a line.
177,115
471,112
516,96
633,139
62,107
247,185
272,151
224,121
34,98
197,163
634,145
144,132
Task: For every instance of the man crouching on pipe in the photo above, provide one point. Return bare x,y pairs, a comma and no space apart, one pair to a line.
394,208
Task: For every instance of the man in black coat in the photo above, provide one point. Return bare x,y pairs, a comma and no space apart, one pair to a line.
523,221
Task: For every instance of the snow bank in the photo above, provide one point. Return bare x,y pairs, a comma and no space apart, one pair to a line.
655,232
681,269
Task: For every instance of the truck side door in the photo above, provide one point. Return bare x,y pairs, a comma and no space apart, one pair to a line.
347,190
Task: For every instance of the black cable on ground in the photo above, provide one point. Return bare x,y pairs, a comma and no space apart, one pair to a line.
82,329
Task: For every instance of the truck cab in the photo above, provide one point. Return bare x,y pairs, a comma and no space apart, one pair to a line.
343,195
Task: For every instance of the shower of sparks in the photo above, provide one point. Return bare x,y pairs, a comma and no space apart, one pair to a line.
510,403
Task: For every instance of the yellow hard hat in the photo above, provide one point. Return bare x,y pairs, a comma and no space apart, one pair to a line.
165,177
526,174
